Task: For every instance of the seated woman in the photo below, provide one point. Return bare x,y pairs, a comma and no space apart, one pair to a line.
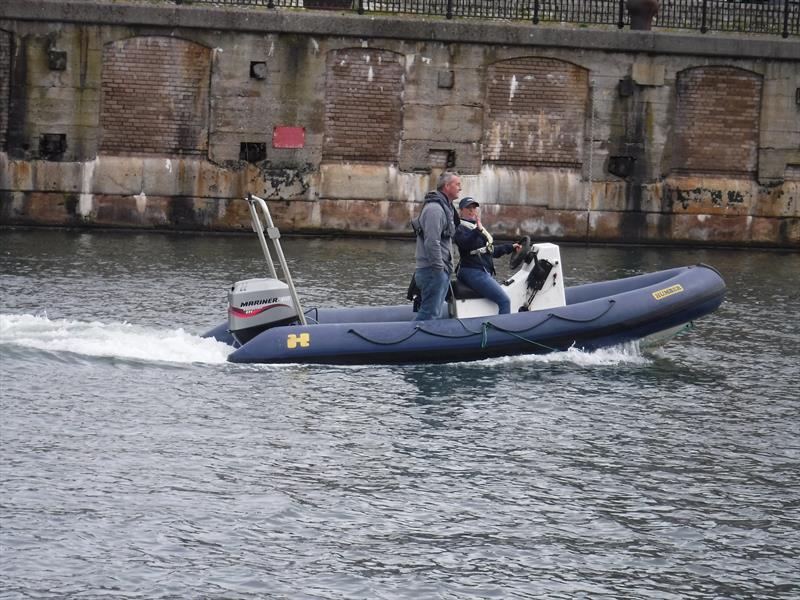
477,250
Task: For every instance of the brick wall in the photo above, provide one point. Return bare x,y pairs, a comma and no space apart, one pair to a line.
155,97
535,111
5,78
716,121
363,105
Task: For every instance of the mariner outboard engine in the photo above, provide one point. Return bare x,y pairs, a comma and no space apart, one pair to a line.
255,305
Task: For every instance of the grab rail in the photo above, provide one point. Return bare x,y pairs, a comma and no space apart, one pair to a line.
274,234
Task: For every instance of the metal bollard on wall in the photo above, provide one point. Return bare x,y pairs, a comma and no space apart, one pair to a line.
642,13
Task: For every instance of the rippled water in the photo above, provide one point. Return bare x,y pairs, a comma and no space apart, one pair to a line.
136,463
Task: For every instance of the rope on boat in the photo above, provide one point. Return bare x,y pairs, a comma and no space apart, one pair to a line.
315,318
484,331
611,303
417,329
487,326
469,333
382,343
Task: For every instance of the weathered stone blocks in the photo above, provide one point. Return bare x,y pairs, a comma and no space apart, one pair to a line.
530,117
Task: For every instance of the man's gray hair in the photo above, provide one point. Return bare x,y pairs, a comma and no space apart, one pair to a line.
446,178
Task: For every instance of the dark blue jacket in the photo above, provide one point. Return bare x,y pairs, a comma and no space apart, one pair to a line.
468,240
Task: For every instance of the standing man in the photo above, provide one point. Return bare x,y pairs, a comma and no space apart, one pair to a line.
435,227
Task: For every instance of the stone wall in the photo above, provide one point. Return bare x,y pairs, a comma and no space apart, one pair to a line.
535,113
5,83
363,105
157,116
716,121
154,97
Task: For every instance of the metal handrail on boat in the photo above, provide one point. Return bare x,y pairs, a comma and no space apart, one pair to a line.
274,234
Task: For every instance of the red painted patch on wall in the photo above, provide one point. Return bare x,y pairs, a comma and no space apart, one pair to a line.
288,137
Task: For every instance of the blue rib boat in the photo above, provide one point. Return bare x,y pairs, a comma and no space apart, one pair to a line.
267,325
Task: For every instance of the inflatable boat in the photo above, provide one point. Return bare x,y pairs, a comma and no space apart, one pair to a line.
266,323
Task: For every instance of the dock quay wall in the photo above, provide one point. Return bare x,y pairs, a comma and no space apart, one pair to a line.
166,116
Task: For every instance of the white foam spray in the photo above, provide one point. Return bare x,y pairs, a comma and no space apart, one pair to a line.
110,340
629,353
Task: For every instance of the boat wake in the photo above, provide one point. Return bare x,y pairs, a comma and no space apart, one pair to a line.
125,341
629,354
108,340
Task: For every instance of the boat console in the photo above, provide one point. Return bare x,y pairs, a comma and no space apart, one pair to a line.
537,285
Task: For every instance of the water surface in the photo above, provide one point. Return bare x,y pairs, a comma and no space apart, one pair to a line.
136,463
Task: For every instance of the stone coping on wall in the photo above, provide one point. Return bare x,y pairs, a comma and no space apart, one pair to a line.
397,27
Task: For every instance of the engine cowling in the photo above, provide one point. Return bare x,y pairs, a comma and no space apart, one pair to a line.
255,305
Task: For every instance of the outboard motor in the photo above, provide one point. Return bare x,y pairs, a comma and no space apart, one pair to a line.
255,305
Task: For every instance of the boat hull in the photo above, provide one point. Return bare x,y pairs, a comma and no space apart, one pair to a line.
595,316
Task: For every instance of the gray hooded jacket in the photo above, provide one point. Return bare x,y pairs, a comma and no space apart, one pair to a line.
435,227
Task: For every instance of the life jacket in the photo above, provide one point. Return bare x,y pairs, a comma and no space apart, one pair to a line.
489,247
442,201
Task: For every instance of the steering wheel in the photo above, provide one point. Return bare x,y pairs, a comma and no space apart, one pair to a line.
518,257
